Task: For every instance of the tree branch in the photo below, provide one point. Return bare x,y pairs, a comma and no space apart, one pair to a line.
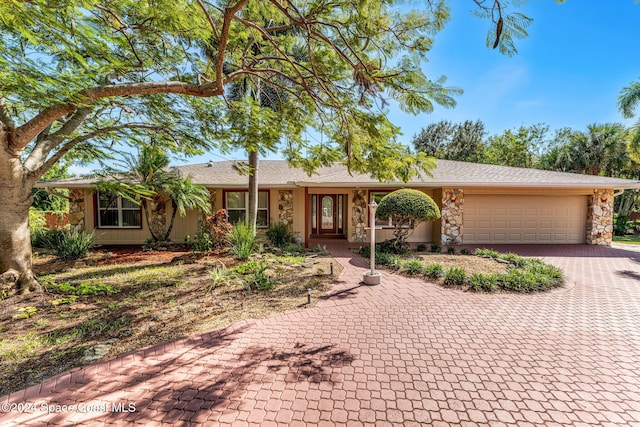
43,147
53,192
5,116
28,131
75,141
229,14
209,19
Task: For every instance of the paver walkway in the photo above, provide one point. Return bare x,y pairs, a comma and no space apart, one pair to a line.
404,352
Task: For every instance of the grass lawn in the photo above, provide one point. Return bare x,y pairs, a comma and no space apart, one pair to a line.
114,302
635,240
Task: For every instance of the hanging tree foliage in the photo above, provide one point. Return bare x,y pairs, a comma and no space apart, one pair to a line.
78,78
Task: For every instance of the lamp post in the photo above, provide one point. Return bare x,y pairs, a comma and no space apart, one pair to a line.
372,277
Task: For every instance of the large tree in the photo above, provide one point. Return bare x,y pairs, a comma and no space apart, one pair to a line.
519,147
627,103
460,141
76,76
601,150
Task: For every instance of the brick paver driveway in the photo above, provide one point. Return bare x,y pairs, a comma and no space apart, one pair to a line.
405,352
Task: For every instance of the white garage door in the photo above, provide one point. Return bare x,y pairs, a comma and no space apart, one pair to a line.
524,219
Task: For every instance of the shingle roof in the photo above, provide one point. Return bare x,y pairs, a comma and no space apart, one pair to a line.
277,173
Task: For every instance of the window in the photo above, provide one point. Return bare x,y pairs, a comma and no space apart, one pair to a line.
116,212
377,196
237,203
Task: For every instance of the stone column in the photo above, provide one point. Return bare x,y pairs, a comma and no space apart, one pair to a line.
359,216
212,199
600,218
158,215
77,209
285,208
451,211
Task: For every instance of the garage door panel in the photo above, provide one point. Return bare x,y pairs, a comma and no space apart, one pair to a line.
524,219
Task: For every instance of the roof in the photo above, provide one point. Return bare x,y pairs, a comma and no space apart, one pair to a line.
448,173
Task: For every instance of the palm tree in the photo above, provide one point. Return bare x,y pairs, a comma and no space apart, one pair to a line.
184,194
627,102
257,120
149,179
254,127
600,150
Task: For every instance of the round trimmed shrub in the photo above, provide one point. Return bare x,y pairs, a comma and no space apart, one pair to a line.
408,205
407,208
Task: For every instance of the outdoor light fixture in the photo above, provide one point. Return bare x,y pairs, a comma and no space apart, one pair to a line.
603,199
372,277
452,198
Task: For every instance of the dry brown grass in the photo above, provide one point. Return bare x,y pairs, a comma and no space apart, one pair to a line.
160,296
472,264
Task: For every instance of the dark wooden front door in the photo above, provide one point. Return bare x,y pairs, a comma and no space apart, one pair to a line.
328,213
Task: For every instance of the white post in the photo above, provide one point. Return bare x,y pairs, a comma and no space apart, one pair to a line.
372,277
372,223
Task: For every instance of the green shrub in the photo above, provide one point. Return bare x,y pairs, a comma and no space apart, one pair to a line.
533,276
249,266
412,266
421,248
455,276
278,234
436,248
365,251
36,221
487,253
465,251
386,247
202,241
483,282
434,271
220,276
84,288
407,208
389,260
622,225
214,232
514,259
68,245
25,312
292,248
259,279
243,241
451,250
46,239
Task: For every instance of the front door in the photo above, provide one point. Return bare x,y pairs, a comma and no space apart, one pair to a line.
327,207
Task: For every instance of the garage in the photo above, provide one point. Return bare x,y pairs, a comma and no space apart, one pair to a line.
516,219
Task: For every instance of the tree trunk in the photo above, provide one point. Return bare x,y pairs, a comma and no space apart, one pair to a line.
174,211
252,211
16,268
145,208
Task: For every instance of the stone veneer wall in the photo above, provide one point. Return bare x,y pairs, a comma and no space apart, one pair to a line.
359,216
157,216
212,200
600,218
285,208
76,209
451,210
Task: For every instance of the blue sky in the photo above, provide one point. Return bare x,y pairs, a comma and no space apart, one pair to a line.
568,72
